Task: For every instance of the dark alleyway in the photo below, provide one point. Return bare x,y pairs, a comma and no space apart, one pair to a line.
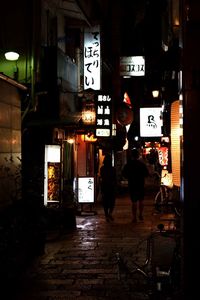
82,264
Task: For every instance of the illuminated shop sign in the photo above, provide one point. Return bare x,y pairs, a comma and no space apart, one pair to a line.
86,189
150,121
92,58
132,66
103,116
52,174
163,156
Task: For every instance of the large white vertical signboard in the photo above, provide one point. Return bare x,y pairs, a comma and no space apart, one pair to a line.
150,121
86,189
92,58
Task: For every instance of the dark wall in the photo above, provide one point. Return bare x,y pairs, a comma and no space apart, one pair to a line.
191,163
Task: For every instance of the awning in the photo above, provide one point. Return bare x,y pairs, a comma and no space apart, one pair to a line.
13,82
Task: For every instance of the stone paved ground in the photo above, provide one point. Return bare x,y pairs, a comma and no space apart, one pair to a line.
82,264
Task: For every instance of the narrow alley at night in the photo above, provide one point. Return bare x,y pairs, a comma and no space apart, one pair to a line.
82,81
82,264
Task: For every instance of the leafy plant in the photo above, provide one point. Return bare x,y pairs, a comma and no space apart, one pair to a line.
10,174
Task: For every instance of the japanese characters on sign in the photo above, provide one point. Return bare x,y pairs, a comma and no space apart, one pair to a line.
86,189
103,116
132,66
92,59
163,156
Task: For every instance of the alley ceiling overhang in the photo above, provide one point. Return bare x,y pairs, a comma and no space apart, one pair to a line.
70,8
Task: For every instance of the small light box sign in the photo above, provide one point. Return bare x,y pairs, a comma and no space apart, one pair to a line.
88,113
92,58
103,116
150,121
163,156
132,66
86,189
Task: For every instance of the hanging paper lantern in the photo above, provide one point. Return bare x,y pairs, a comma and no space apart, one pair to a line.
124,114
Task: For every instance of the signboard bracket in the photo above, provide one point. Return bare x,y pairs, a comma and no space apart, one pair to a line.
87,209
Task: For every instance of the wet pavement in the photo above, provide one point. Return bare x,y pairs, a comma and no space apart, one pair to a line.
82,264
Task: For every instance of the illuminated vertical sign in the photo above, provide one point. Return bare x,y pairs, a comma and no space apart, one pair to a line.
52,174
163,156
103,116
92,59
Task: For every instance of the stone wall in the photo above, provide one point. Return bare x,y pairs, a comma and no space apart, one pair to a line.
10,143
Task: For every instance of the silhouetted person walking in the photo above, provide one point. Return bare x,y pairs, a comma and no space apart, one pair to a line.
135,172
108,186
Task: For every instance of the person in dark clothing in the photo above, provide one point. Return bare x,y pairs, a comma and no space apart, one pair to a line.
108,186
135,171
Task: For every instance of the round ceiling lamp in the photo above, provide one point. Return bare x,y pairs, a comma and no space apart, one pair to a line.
11,56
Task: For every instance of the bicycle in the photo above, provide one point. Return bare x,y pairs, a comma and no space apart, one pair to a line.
162,264
167,198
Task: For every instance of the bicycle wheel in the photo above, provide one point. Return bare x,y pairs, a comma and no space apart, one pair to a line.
177,209
158,201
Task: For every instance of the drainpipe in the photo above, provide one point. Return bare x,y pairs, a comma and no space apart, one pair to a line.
78,62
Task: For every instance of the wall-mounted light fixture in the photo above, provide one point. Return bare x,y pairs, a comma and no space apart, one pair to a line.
155,93
70,139
11,55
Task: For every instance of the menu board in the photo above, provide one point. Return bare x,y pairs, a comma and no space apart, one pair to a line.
86,189
53,181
